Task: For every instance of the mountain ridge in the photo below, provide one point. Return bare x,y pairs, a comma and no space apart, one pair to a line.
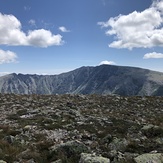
103,79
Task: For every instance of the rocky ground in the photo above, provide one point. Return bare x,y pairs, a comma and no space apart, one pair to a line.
80,128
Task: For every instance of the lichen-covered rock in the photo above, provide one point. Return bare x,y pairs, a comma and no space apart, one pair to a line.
118,144
152,130
9,139
107,139
58,161
69,150
159,141
30,161
149,158
1,161
124,158
90,158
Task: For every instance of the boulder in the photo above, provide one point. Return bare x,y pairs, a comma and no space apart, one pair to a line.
1,161
69,150
152,158
30,161
118,144
151,130
58,161
107,139
124,158
90,158
159,141
10,139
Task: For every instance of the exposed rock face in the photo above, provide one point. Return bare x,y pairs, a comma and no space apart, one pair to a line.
104,79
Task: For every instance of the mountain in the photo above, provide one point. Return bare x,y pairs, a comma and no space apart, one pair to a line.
104,79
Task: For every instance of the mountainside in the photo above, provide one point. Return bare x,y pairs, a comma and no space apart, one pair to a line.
104,79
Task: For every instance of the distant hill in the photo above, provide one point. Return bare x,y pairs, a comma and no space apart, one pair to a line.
104,79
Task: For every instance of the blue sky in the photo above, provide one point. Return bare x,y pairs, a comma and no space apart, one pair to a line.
55,36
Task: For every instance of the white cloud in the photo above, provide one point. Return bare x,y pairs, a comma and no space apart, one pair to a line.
107,63
4,73
7,56
158,4
63,29
32,22
153,55
137,29
27,8
11,34
43,38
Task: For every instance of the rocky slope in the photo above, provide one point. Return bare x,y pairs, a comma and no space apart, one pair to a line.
80,128
102,79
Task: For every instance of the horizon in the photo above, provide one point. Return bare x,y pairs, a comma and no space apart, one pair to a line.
76,69
59,36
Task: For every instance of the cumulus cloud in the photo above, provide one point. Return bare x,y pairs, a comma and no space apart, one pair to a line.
107,63
137,29
153,55
43,38
63,29
11,34
7,56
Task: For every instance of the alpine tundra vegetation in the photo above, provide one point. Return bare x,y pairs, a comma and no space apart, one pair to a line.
81,128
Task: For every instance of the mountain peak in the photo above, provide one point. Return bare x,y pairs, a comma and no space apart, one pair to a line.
102,79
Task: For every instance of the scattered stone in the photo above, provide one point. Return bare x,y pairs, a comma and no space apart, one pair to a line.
118,144
152,130
91,158
1,161
151,158
58,161
124,158
10,139
69,149
160,140
61,127
107,139
30,161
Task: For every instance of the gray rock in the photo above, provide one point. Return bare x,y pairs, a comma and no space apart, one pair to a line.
58,161
90,158
159,141
30,161
118,144
107,139
149,158
119,158
69,149
124,158
10,139
25,154
1,161
151,130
